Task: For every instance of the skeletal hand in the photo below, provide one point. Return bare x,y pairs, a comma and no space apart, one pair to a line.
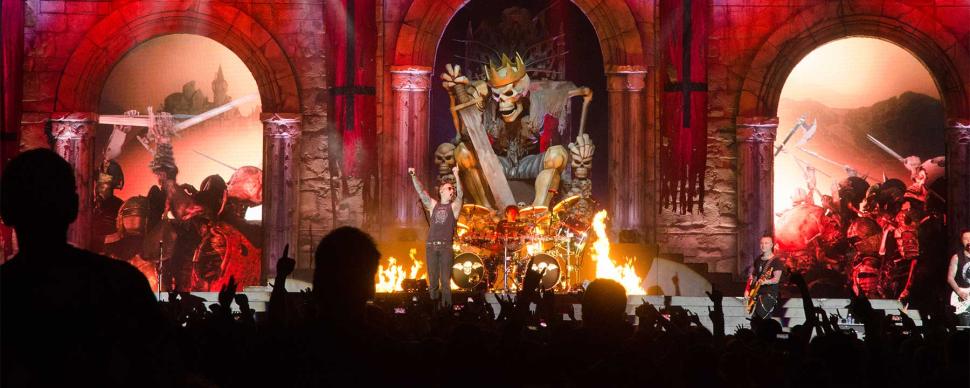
452,76
582,148
126,128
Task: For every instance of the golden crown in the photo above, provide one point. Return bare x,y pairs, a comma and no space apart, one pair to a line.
505,74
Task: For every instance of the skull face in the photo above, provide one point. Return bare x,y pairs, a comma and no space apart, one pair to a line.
444,158
509,98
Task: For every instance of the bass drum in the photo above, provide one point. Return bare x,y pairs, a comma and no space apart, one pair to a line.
468,271
551,265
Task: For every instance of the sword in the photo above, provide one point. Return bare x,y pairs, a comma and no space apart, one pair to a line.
144,120
886,148
215,160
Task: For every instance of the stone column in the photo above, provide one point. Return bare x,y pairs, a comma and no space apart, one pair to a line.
405,145
73,134
281,133
627,150
957,176
756,141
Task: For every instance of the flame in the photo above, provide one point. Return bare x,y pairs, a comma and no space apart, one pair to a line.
625,274
389,278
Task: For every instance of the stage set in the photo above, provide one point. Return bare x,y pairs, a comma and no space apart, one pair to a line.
654,143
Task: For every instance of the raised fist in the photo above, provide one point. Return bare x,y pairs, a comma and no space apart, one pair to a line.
411,171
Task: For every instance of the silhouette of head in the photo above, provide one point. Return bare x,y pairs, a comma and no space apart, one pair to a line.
38,195
604,303
346,263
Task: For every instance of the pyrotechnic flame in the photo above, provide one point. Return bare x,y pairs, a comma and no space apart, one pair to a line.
625,274
389,278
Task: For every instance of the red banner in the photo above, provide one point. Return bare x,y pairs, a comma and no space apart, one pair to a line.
352,37
684,114
12,50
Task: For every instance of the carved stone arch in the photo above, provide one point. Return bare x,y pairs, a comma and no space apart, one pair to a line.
426,20
80,86
947,61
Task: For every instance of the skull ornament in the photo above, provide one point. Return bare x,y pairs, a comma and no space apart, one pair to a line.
467,267
508,83
581,156
444,158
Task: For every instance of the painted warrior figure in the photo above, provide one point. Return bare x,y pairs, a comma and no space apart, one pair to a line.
128,242
201,248
106,204
507,125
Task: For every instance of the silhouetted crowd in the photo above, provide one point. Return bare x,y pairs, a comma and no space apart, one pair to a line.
72,318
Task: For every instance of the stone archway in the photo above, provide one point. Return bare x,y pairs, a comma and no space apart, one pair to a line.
411,76
80,85
946,59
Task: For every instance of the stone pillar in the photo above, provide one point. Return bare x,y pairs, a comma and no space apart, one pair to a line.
281,133
957,176
405,145
756,141
628,151
73,134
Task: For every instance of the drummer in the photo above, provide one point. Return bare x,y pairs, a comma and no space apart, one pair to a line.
510,226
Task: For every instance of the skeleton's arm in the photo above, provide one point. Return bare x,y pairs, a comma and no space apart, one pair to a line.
461,92
117,138
587,95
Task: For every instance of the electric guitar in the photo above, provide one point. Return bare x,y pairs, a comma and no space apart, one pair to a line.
961,306
752,295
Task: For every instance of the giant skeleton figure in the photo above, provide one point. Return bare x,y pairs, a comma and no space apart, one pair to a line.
519,118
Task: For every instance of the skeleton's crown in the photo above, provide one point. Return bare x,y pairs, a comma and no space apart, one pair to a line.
507,73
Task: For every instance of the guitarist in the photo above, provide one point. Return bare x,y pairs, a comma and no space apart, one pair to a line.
958,277
765,275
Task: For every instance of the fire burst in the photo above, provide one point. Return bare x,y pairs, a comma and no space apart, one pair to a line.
625,274
389,278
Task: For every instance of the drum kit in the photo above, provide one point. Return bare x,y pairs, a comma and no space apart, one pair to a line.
496,253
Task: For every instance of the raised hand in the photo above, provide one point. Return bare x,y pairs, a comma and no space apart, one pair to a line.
284,265
411,171
715,295
227,293
452,76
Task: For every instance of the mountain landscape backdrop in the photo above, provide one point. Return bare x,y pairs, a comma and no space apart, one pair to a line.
910,123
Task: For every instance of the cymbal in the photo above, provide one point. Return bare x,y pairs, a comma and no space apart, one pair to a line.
533,211
565,204
471,210
461,229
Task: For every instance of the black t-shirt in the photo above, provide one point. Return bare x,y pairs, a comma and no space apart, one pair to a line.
759,269
442,223
74,315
